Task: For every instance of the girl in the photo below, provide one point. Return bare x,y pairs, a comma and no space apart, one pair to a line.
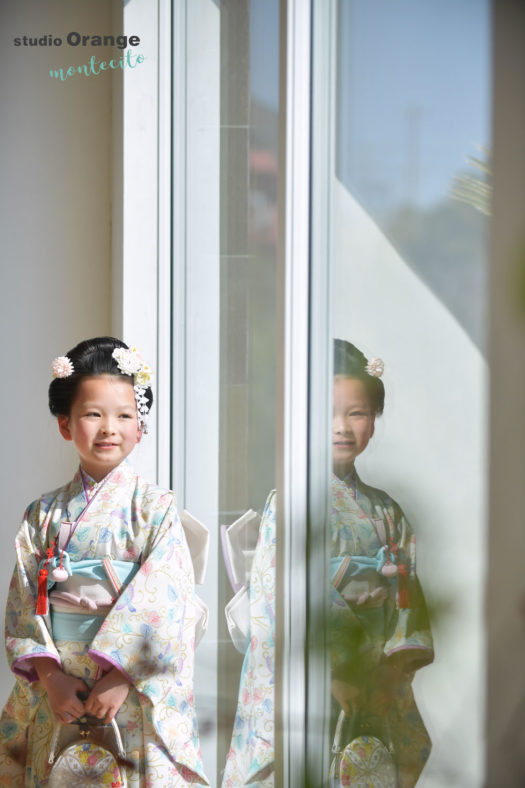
101,612
379,626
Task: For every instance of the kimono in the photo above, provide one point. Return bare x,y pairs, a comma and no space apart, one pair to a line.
147,632
373,618
250,758
379,630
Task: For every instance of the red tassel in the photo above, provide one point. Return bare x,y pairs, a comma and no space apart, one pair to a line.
41,600
403,593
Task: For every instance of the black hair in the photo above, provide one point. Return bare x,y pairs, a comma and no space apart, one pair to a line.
351,363
90,357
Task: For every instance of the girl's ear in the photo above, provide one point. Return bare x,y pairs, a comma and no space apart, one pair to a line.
139,434
373,426
63,427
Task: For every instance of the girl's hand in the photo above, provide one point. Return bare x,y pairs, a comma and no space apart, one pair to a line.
108,695
62,690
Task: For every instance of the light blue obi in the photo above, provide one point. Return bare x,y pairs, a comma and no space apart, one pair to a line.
80,604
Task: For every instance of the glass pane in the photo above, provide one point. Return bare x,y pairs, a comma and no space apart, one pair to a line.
409,201
229,343
249,166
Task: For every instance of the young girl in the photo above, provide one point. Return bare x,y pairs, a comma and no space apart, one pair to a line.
379,627
101,612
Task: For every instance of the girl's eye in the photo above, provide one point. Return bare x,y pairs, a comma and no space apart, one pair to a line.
126,416
92,413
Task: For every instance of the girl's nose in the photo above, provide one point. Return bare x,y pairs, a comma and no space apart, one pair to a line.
339,424
107,427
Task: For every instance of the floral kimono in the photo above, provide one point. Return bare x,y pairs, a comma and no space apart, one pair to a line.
379,630
251,756
375,616
121,537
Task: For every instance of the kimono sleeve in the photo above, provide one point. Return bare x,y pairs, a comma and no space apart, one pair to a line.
27,635
149,635
350,645
409,636
251,756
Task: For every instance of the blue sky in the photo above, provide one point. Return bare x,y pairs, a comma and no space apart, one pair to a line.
414,93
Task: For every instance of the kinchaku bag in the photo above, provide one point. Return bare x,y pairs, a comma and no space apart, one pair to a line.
365,762
87,753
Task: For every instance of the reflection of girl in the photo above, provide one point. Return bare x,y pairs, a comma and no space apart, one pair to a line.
379,627
102,597
250,758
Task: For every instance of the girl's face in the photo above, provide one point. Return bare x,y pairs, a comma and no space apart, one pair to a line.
353,423
102,423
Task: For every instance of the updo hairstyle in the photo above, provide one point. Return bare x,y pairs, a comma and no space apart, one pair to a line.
89,358
351,363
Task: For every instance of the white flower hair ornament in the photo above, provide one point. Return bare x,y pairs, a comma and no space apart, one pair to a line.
62,367
130,362
375,367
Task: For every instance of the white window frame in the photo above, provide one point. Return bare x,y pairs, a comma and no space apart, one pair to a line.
142,216
151,255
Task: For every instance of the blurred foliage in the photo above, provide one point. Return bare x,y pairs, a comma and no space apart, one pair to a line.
520,276
475,191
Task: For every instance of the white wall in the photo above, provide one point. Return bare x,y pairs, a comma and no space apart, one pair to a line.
55,239
429,454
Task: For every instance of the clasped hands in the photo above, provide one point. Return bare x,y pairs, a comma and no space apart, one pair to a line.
63,691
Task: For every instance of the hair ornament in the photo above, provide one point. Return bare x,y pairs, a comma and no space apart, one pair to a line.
375,367
143,376
142,406
130,362
62,367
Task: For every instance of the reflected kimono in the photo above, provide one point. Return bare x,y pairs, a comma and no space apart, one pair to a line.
379,630
129,540
375,618
251,756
